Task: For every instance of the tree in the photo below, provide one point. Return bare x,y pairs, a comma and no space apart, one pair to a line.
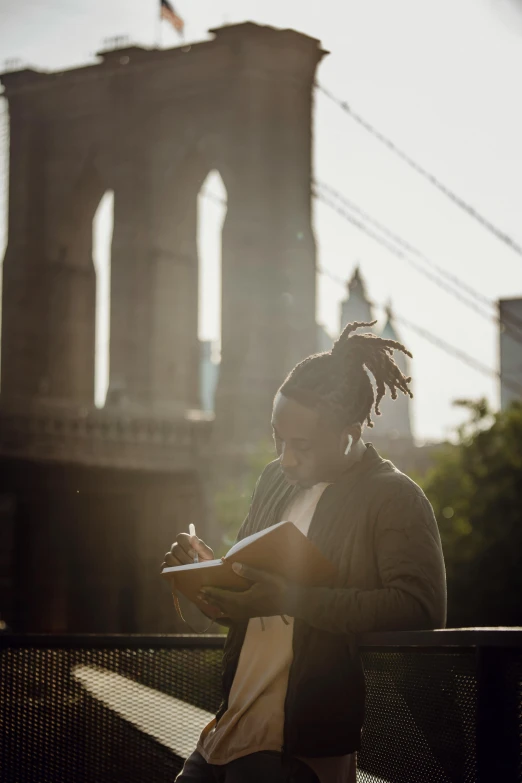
476,492
233,502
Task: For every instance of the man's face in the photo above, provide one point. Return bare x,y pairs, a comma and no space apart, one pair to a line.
308,446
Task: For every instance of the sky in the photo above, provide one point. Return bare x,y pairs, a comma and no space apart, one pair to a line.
441,79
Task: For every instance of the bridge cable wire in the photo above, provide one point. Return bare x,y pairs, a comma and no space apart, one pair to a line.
407,252
431,178
448,348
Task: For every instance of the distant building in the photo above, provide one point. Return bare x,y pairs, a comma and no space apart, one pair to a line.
356,306
510,314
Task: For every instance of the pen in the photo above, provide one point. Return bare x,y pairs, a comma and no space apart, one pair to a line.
192,533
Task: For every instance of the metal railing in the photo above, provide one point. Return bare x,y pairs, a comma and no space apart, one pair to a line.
442,706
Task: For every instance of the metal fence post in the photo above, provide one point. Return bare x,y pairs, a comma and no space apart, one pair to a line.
498,740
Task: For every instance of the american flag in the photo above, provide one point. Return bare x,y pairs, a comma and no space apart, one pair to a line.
167,12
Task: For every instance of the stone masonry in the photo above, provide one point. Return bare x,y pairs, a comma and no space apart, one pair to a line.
92,498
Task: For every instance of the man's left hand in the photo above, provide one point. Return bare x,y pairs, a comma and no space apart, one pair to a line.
263,599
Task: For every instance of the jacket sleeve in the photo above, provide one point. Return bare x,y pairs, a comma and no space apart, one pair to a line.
411,568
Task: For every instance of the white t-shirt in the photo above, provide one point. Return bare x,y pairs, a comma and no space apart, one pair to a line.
254,720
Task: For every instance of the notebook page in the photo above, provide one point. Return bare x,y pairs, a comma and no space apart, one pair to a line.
246,541
188,566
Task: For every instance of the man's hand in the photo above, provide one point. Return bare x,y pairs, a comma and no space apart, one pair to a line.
184,549
263,599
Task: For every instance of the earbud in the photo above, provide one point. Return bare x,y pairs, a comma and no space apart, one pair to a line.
349,446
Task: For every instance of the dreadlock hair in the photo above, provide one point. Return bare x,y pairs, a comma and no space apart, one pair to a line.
337,382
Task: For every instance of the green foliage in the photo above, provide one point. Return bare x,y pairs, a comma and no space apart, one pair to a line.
476,492
232,503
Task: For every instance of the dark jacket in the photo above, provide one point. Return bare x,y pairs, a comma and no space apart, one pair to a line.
378,528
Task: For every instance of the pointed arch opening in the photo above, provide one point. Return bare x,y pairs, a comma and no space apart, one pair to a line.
102,228
212,209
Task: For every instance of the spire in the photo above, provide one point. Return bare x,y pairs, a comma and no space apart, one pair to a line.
356,307
356,284
389,331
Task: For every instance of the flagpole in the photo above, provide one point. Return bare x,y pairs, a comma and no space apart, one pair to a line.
158,27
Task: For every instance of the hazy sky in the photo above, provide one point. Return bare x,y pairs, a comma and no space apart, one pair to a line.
442,79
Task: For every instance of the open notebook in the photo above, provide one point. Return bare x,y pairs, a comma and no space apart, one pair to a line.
281,549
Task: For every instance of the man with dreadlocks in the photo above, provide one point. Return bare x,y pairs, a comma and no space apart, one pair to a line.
293,682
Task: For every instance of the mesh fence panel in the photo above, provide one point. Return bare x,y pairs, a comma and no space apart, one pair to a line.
420,717
103,714
133,714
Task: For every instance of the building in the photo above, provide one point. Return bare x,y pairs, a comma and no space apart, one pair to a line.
91,499
510,350
356,306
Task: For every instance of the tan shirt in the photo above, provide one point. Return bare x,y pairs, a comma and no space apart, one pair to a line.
254,720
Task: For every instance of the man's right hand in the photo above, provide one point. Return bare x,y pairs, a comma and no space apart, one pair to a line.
184,549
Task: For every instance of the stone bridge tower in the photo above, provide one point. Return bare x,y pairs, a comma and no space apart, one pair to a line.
150,125
116,484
